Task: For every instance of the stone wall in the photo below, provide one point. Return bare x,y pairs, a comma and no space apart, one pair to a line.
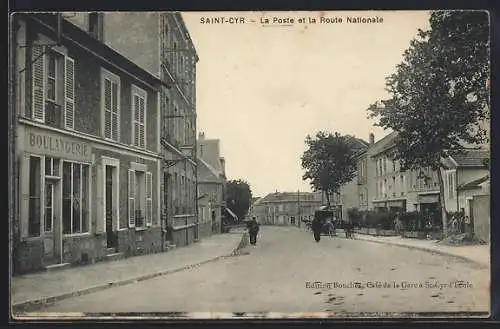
481,215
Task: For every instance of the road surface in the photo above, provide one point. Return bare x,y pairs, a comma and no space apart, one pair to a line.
289,272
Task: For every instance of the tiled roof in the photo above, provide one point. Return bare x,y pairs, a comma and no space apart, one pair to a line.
475,183
471,158
287,196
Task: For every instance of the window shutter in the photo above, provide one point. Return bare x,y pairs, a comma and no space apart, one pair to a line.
135,126
38,91
114,110
107,108
131,198
149,199
69,104
142,122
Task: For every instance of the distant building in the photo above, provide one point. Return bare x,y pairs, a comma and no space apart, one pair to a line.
465,176
348,195
211,185
286,208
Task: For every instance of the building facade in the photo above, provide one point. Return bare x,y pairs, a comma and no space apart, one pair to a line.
87,147
464,176
159,42
286,208
352,194
211,185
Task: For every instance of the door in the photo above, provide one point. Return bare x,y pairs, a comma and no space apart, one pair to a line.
49,237
110,234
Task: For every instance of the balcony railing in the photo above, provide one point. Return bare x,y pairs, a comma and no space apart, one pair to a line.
54,115
139,218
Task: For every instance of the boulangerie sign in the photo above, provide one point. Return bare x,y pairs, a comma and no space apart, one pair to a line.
57,145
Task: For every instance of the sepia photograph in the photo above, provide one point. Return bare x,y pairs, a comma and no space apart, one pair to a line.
249,165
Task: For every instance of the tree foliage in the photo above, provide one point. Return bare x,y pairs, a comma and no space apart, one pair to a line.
238,197
439,93
329,162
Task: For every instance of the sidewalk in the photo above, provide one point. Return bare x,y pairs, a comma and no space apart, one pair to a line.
479,254
45,287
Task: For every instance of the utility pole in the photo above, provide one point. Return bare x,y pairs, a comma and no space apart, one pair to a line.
298,207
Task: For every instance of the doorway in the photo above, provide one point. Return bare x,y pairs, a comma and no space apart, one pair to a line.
112,241
52,234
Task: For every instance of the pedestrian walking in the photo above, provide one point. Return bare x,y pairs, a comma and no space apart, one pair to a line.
253,230
349,230
317,226
331,228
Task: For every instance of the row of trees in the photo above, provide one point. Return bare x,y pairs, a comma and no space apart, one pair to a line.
438,96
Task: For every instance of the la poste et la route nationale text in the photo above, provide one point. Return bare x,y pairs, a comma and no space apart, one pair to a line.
285,20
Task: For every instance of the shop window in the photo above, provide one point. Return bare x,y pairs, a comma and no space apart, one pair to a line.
52,167
35,189
75,198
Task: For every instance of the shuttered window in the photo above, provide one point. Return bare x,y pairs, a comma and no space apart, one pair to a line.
139,117
111,105
53,78
131,198
149,199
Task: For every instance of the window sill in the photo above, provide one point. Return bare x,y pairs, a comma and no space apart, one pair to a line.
76,235
31,238
145,228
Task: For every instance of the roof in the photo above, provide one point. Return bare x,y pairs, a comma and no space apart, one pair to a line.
215,173
471,158
387,142
474,184
78,37
290,197
231,213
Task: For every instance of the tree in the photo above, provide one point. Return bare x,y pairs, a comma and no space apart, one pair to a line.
238,197
329,162
439,93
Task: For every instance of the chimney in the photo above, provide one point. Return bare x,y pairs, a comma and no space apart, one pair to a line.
223,165
201,136
371,138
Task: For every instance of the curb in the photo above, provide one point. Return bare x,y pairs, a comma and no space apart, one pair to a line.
31,305
439,252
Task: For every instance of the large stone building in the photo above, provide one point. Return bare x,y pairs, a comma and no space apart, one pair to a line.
286,208
349,195
159,42
86,146
384,186
211,185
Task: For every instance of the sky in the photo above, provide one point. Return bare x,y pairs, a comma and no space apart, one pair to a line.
262,89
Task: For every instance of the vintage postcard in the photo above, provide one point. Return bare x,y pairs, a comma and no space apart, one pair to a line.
212,165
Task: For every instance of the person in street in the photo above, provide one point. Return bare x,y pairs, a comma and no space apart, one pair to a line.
397,224
253,230
349,229
331,227
317,226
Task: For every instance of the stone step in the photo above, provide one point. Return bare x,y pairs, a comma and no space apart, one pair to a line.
55,267
115,256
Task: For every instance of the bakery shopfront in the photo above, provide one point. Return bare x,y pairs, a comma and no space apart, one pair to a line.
55,195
